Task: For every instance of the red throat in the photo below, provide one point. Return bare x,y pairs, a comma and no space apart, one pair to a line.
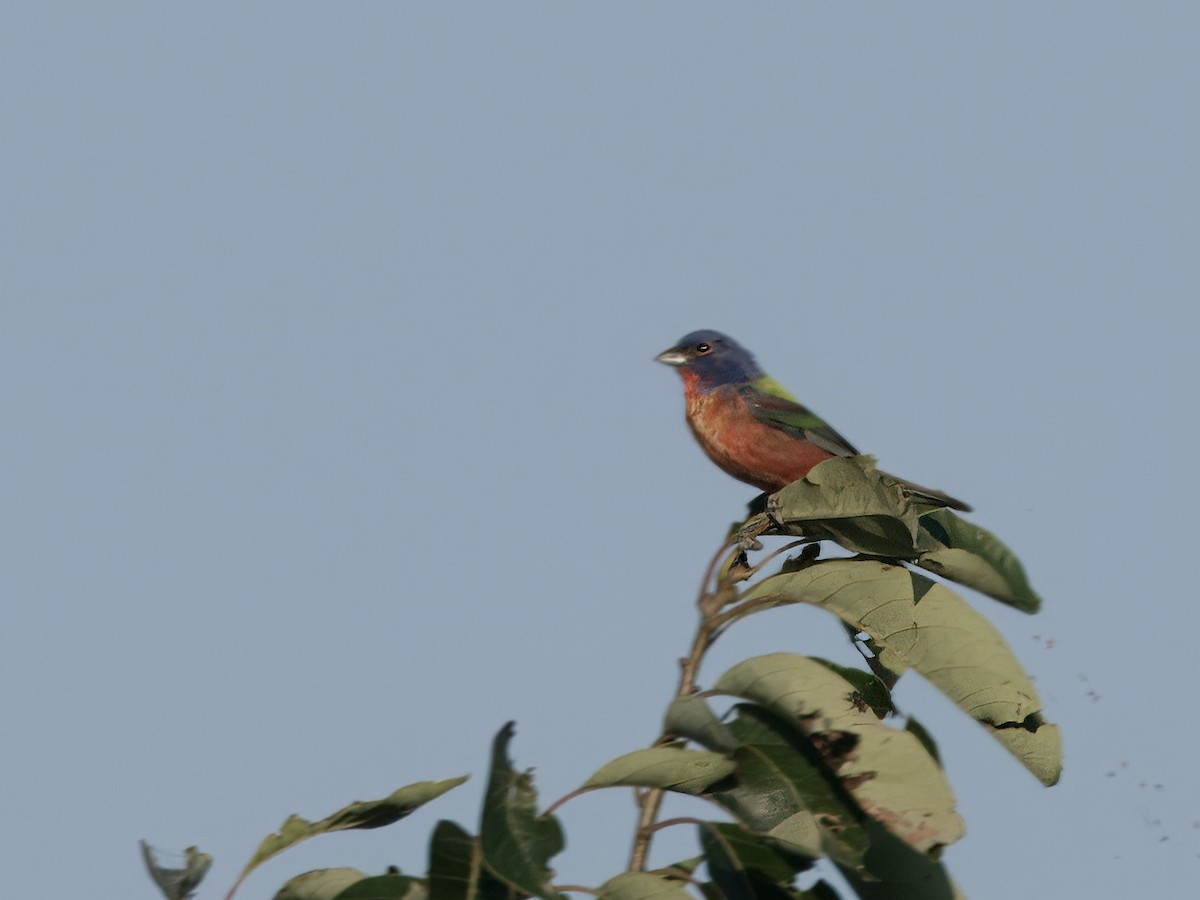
691,384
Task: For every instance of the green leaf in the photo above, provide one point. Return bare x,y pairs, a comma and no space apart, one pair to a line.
643,886
847,500
895,871
690,717
885,677
671,768
517,844
963,552
360,814
742,866
177,884
869,690
786,793
454,862
319,884
888,772
917,730
386,887
456,870
679,868
918,623
822,890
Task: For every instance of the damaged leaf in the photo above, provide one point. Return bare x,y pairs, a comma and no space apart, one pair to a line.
918,623
888,772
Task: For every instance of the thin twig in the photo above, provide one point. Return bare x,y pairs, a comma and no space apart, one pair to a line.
775,554
745,608
678,820
651,801
549,810
712,567
716,592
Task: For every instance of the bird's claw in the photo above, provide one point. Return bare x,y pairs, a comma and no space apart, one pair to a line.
746,539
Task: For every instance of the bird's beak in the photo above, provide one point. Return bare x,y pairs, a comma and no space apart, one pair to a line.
673,357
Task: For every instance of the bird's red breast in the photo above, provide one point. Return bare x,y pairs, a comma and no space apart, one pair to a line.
745,447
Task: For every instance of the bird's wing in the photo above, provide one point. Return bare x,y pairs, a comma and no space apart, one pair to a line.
770,402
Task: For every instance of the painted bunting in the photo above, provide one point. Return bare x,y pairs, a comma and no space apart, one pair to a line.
749,424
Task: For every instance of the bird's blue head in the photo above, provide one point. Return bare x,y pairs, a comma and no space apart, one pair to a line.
711,359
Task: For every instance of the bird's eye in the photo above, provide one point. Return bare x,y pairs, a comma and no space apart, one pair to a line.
703,348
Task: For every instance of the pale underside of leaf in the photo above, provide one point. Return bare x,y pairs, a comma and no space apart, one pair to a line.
360,814
671,768
969,554
846,500
918,623
889,772
319,883
642,886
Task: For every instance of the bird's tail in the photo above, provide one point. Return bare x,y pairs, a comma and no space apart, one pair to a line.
929,495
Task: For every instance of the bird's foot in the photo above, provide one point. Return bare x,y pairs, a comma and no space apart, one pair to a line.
746,537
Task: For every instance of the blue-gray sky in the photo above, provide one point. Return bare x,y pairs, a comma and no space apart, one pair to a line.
333,440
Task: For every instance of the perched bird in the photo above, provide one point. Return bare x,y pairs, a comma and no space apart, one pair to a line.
749,424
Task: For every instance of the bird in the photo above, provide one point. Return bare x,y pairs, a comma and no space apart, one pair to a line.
751,427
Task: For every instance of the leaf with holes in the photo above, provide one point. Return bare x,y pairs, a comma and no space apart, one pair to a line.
918,623
889,773
785,791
